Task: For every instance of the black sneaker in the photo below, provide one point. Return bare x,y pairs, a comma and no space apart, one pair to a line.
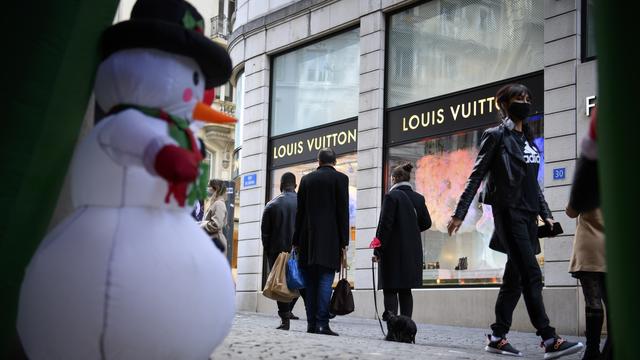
501,347
561,347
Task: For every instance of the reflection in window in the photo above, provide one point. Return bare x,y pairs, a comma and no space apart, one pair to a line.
317,84
442,167
490,40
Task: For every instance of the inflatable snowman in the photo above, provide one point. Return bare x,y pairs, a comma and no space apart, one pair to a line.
130,275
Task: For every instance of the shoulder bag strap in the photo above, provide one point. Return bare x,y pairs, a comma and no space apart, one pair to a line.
410,202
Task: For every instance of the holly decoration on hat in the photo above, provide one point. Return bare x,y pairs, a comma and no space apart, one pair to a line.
191,23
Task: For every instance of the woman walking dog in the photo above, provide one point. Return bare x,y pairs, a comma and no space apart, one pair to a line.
403,217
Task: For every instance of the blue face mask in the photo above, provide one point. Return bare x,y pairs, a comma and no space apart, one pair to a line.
209,191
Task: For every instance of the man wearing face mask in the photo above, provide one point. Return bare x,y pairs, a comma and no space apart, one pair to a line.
510,160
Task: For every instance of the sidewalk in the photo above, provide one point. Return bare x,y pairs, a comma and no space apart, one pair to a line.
254,336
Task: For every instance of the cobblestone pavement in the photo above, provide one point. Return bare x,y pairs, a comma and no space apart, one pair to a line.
254,336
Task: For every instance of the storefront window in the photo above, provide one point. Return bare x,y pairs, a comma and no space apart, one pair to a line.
239,109
442,166
588,30
235,168
316,84
347,164
235,176
445,46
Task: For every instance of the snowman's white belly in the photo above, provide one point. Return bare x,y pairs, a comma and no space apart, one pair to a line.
126,283
97,180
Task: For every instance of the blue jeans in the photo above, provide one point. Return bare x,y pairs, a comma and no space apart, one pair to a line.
317,294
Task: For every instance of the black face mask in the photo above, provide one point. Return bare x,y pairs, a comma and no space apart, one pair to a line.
519,110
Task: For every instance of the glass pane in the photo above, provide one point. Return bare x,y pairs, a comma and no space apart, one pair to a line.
239,110
317,84
442,166
445,46
591,39
347,164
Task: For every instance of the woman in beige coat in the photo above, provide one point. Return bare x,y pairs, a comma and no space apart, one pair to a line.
588,262
215,216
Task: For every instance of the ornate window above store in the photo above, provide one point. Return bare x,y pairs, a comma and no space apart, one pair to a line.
441,47
316,84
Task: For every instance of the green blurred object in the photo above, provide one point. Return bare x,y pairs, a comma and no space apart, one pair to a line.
49,60
618,132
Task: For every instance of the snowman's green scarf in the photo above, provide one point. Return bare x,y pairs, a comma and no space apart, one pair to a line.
180,132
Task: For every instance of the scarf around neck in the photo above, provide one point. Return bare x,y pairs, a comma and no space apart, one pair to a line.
402,183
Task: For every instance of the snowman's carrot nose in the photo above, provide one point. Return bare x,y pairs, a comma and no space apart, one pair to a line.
204,112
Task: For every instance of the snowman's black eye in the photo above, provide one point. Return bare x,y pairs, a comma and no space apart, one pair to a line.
196,78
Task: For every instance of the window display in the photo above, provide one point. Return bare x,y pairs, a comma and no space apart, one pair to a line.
346,164
443,165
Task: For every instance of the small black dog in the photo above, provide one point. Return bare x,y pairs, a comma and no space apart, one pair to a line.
400,328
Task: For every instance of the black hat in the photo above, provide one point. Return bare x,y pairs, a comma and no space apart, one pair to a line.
174,26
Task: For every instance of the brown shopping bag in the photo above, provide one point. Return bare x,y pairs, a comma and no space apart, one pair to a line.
276,286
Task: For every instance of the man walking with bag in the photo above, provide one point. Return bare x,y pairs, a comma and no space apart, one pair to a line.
278,223
321,236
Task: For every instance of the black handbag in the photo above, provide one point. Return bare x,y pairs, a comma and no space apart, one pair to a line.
342,298
546,230
217,242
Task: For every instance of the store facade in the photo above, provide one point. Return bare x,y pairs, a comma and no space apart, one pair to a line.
383,82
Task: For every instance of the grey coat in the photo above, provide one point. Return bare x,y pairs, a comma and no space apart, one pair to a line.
215,219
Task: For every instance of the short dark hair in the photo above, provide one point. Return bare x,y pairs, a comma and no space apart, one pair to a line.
287,181
326,156
402,172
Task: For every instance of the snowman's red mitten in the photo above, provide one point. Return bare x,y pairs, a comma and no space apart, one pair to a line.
179,167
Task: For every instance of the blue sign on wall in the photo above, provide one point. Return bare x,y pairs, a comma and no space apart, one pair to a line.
250,180
559,173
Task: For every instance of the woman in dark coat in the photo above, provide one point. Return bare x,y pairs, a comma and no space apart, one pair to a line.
509,159
403,217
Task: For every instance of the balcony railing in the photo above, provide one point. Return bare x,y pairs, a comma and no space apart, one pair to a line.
219,27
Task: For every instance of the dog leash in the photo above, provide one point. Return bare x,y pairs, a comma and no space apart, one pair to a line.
375,299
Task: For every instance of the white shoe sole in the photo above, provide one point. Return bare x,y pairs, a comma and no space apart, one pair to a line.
572,350
500,352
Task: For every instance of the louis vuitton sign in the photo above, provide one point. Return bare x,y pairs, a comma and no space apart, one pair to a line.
304,146
469,109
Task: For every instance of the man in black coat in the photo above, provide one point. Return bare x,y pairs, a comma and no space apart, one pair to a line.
321,236
278,223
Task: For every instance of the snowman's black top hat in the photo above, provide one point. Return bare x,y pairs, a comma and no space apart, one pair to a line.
173,26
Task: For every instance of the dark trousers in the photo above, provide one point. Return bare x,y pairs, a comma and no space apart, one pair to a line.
283,307
522,275
403,296
317,294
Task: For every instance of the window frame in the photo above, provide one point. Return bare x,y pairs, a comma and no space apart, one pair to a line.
273,76
584,33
